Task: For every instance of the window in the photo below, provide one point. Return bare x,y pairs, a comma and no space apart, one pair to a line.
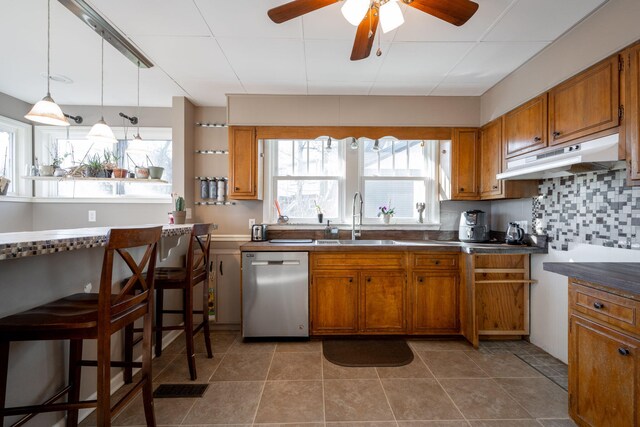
399,174
15,144
72,149
306,174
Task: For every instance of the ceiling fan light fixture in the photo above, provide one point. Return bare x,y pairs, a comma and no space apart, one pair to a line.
47,112
354,11
390,16
101,132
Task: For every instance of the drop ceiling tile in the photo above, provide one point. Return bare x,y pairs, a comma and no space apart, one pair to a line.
257,59
154,17
188,57
420,61
329,60
207,93
247,18
489,62
339,88
541,20
402,88
420,26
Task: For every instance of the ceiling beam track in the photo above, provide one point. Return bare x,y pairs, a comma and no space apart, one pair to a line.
93,19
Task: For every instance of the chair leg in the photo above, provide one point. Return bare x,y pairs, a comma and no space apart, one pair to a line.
147,374
75,372
4,366
159,307
205,318
128,353
188,332
103,407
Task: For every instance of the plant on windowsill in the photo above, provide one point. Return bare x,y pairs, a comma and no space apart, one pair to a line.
318,211
94,167
179,214
110,162
386,213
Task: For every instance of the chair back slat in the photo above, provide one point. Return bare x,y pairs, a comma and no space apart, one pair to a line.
198,253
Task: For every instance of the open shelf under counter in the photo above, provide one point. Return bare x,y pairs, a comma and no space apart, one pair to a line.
83,178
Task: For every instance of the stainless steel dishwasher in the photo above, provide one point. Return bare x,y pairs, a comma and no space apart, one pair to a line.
275,294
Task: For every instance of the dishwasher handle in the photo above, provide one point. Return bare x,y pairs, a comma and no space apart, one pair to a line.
282,262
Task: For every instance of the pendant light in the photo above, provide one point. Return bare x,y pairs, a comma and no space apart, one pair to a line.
137,137
101,132
46,111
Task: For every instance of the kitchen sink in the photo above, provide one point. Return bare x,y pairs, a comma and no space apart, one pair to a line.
329,242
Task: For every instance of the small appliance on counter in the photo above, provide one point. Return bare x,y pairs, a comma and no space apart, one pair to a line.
515,234
259,233
473,227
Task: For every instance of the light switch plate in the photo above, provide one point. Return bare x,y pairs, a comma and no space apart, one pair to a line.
188,213
92,216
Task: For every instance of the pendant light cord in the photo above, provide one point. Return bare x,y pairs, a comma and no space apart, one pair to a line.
48,47
138,112
102,79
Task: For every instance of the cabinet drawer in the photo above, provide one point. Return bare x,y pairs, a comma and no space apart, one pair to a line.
435,261
612,309
351,260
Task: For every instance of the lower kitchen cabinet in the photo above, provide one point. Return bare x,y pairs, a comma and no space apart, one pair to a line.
383,296
604,357
435,302
226,285
334,302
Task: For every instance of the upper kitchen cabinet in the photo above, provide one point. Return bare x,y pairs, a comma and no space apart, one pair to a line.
586,103
464,171
525,128
632,104
491,163
245,164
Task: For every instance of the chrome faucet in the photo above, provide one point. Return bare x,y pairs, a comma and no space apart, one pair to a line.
355,234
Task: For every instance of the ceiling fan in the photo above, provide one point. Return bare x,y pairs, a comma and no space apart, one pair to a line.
366,14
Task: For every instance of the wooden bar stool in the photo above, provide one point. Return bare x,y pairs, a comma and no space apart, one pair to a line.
186,279
92,316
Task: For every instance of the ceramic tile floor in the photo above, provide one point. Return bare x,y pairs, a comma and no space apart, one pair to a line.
449,384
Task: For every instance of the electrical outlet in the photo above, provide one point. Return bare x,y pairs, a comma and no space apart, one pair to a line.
87,288
252,222
188,213
92,216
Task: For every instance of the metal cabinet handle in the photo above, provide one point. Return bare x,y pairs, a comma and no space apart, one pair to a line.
494,187
598,305
623,351
537,139
221,273
461,189
437,262
556,134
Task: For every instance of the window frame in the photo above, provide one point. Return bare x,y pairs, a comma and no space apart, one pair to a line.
22,155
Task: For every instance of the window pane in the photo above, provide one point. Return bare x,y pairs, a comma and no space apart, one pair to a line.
399,194
297,198
394,158
285,157
7,157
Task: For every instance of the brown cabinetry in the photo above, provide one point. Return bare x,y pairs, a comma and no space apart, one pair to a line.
383,301
525,128
245,164
464,173
586,103
334,302
632,113
604,363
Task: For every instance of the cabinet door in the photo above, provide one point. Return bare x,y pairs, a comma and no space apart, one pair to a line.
334,302
491,159
525,128
604,372
383,295
632,113
585,104
243,163
228,299
464,174
435,302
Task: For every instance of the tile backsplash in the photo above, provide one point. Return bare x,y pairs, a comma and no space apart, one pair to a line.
594,208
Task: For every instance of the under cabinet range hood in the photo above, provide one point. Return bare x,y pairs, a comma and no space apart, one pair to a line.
598,154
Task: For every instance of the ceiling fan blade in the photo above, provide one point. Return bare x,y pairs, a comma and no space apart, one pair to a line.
455,12
365,35
296,8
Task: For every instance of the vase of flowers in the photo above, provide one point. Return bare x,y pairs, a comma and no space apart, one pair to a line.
386,213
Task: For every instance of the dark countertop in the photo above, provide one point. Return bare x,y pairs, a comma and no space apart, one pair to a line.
432,245
622,278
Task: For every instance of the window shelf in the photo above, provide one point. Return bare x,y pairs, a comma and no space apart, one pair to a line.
82,178
215,203
212,151
212,125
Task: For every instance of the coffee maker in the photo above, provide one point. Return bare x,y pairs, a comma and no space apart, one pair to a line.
473,227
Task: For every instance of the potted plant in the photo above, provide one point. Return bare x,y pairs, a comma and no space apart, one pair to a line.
95,167
53,168
386,213
110,162
318,211
179,214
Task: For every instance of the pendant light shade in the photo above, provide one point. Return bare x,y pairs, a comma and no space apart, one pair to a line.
101,132
46,111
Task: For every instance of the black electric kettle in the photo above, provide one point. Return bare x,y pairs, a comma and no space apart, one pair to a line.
515,234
